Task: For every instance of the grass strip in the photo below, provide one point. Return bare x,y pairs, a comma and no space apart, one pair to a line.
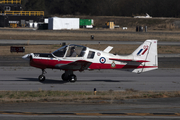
123,49
81,96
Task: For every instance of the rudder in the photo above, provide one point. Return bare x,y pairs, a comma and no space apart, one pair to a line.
147,52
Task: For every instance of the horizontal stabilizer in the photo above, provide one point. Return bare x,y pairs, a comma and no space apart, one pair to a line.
108,49
127,60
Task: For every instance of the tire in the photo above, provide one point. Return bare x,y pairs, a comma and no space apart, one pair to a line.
72,78
41,78
64,78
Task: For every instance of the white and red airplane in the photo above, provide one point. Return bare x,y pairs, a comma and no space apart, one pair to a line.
72,58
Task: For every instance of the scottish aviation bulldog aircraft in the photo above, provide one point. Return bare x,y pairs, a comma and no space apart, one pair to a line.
79,58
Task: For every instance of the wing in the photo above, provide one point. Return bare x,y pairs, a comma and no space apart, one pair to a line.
127,60
77,65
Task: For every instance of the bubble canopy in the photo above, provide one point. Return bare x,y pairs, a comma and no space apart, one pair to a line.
71,50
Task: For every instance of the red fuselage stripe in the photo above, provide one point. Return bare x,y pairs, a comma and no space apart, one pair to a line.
117,66
45,63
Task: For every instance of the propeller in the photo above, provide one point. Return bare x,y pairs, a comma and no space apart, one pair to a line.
27,57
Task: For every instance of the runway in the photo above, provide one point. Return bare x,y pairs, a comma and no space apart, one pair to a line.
25,79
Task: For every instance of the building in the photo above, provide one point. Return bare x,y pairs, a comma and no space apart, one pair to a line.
11,14
56,23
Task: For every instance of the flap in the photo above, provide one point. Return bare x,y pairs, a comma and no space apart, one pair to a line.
77,65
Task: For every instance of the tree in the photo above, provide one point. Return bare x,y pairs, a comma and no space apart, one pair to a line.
156,8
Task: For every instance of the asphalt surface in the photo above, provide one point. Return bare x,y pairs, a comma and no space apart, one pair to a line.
51,42
25,78
135,109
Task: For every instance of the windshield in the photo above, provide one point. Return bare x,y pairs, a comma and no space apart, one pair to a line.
60,52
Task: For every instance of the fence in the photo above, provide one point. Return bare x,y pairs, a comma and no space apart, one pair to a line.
10,1
25,13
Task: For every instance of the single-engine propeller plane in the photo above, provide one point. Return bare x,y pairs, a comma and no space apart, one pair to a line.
73,57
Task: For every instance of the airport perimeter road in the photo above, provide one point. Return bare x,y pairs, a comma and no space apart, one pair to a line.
51,42
135,109
25,78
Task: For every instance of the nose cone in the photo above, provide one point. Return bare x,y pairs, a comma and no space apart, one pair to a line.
26,57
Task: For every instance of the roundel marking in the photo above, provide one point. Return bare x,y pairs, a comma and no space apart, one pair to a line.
99,54
102,60
113,65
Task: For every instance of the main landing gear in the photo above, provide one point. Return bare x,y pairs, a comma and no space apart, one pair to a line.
42,78
69,76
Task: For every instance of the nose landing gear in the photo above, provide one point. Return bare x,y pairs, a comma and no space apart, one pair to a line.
41,77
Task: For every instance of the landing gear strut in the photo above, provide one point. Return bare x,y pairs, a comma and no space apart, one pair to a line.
69,76
42,78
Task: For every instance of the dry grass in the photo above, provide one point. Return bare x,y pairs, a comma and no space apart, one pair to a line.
109,35
80,96
118,49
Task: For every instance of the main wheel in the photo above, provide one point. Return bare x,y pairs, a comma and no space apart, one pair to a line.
64,78
72,78
41,78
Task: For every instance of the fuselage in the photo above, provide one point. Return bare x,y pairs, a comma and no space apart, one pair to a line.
98,59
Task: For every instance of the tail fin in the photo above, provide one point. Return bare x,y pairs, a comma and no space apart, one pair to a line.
147,54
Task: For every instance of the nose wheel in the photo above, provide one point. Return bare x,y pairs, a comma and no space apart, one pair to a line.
41,77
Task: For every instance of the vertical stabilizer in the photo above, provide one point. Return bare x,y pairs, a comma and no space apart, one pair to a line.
146,52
